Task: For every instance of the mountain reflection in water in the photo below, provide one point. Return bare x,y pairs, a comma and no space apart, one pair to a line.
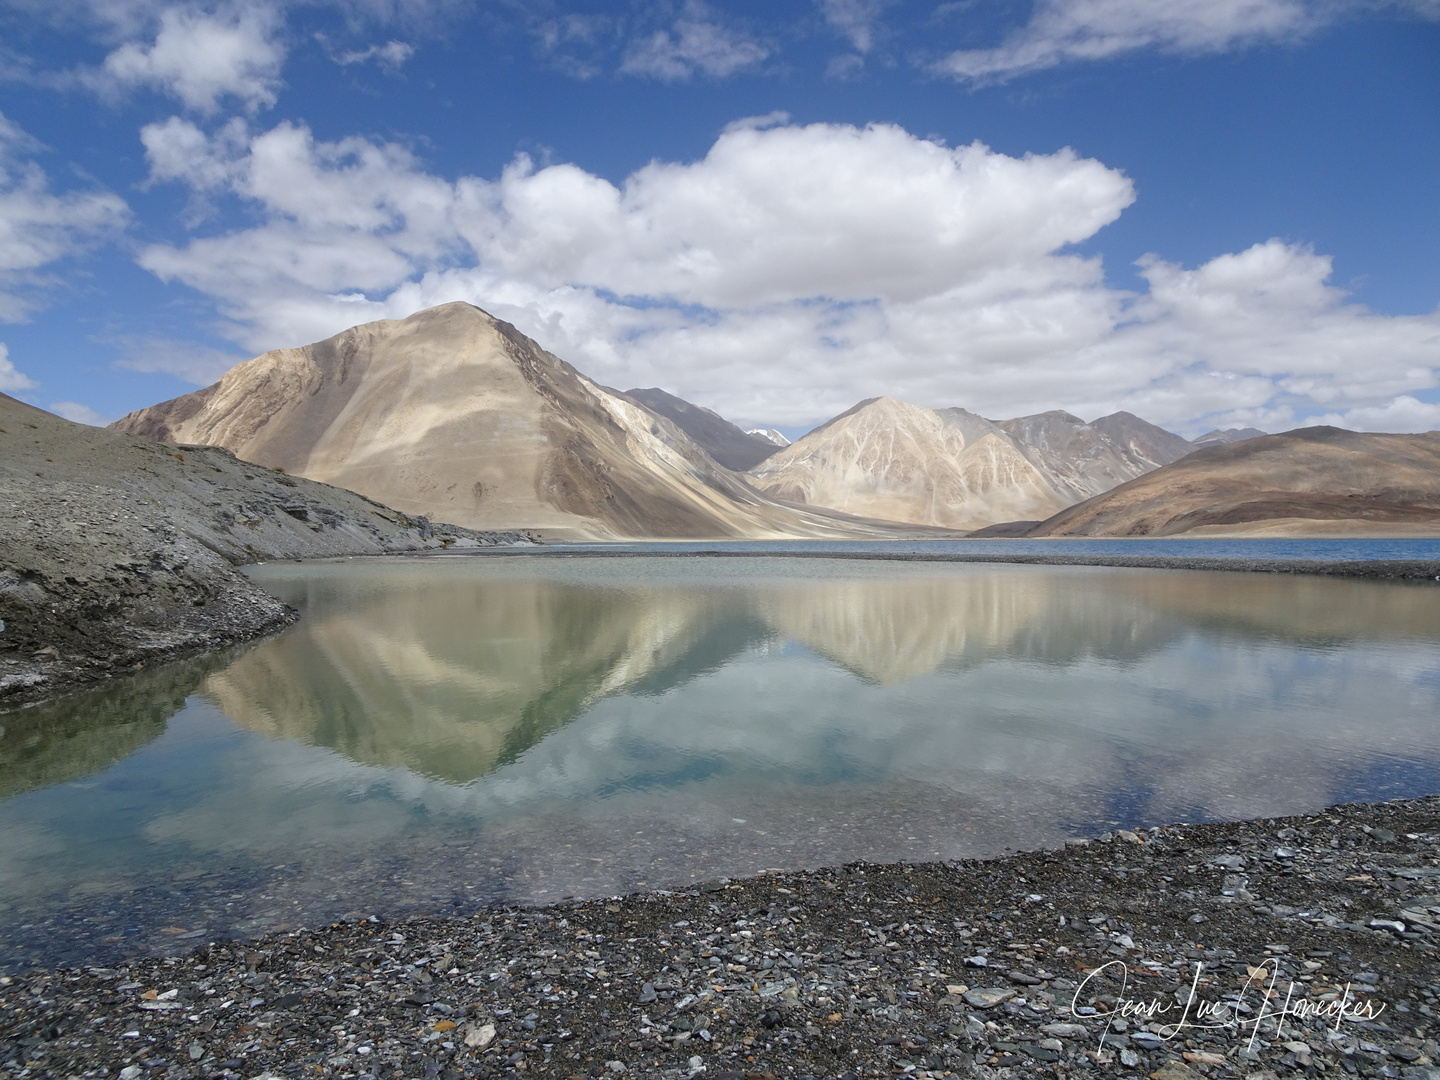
452,669
438,734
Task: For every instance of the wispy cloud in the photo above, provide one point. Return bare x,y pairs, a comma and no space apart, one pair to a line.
197,364
696,43
391,56
856,20
80,414
39,227
1065,31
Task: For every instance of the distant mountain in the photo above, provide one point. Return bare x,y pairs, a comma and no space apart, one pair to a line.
770,435
718,437
458,416
1311,480
1216,437
1142,439
951,468
1089,458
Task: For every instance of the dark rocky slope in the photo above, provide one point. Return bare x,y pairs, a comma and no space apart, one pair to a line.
116,551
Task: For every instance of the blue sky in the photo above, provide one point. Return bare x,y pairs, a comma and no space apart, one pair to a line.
1208,212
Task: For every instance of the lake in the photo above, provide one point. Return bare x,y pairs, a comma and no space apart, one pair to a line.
440,734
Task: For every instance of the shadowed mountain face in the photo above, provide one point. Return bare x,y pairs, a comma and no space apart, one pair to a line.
1319,479
950,468
455,669
457,416
722,440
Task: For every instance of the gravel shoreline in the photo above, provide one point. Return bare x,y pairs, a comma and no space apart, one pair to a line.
957,969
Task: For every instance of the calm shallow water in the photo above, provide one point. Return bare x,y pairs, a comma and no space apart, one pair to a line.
438,734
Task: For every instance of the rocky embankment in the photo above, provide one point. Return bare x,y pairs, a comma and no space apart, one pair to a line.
117,552
980,968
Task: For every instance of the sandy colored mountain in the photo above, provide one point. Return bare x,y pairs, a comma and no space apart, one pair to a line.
953,469
458,416
1312,481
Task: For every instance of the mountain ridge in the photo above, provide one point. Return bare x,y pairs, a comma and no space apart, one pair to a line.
1315,479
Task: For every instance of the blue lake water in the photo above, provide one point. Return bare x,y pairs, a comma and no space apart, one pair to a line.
1332,550
444,733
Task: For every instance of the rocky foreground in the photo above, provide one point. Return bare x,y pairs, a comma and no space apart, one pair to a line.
117,552
979,968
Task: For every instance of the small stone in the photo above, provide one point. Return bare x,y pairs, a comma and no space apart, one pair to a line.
1129,1058
1066,1031
616,1067
647,993
480,1037
1204,1057
197,1051
130,1072
976,961
1051,1044
988,997
1173,1070
1229,862
696,1064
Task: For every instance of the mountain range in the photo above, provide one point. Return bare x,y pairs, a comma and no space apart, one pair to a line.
457,416
952,469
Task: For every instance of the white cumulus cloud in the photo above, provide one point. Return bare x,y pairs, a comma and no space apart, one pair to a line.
11,379
39,227
792,271
202,58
